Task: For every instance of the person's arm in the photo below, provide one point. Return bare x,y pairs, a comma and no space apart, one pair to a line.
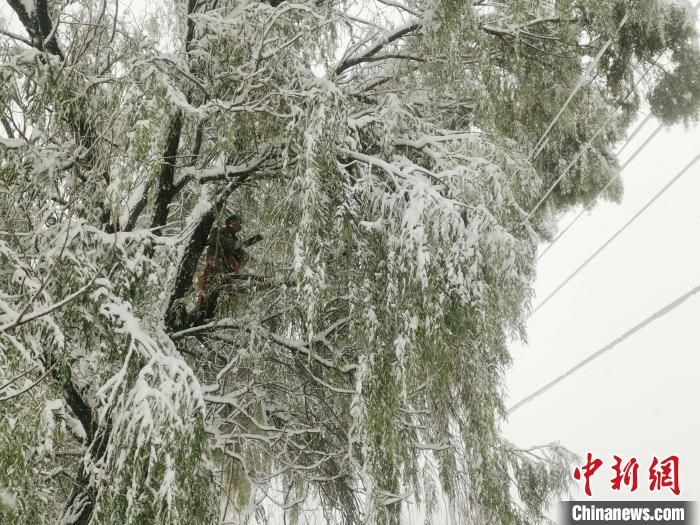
253,240
212,242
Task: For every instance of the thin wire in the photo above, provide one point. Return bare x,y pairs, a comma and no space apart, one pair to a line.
573,161
588,144
616,234
656,315
541,143
636,130
660,313
595,199
627,162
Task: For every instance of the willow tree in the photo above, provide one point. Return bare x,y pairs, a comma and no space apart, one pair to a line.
398,160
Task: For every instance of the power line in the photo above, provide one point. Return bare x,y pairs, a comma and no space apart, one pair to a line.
541,142
616,234
594,199
636,130
587,145
571,163
627,162
660,313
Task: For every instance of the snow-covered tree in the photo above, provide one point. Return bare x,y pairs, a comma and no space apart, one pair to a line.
397,157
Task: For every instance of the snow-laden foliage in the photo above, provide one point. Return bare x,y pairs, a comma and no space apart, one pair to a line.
393,156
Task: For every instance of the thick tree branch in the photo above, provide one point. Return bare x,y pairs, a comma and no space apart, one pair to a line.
188,264
295,346
38,25
135,212
166,188
220,173
397,56
196,243
364,57
514,30
14,36
191,8
80,409
48,34
24,17
81,501
7,127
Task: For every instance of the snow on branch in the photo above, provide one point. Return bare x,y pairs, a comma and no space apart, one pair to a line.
367,55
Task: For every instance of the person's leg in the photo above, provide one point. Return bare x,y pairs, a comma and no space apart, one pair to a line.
204,281
210,302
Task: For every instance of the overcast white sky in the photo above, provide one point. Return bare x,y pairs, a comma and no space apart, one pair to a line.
640,398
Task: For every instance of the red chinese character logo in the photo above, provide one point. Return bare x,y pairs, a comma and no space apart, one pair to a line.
588,470
626,475
664,474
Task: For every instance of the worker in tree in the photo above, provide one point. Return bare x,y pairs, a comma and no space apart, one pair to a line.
225,256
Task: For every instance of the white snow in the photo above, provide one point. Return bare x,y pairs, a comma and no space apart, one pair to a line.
8,499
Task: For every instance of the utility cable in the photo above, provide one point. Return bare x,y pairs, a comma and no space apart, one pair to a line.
627,162
571,163
595,199
636,130
658,314
616,234
588,144
539,146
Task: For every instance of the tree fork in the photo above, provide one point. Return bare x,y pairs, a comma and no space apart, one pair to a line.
38,26
166,189
193,250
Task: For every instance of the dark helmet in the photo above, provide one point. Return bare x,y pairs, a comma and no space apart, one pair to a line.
233,217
